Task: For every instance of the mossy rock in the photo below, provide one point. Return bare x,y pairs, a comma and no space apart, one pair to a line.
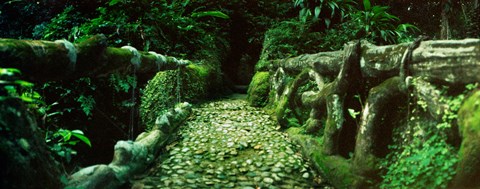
468,168
259,89
284,114
162,91
337,170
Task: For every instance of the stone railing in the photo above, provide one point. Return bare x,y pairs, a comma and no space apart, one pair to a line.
373,82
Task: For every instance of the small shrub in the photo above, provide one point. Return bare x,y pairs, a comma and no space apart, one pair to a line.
422,164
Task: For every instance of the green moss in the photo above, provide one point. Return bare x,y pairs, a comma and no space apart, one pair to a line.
336,169
202,71
469,115
295,130
281,112
468,169
259,89
162,91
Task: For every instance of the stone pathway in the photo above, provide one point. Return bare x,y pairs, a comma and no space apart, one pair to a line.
227,144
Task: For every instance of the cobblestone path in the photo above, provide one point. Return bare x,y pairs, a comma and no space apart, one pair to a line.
227,144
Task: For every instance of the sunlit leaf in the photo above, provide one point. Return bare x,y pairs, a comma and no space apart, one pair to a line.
353,113
25,84
27,99
79,134
76,131
317,11
9,71
114,2
217,14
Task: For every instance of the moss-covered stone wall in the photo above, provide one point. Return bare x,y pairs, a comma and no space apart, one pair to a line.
392,119
190,83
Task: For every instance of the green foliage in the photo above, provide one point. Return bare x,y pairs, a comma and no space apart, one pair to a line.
376,24
64,25
450,113
334,38
79,99
325,10
122,83
161,26
87,103
217,14
426,163
62,142
13,87
426,160
289,38
372,23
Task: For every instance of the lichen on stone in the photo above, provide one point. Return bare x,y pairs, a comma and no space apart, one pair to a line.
137,57
72,52
160,60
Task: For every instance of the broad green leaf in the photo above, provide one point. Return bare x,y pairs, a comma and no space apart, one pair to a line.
327,22
27,99
383,34
184,4
332,7
67,135
367,5
297,2
76,131
25,84
72,142
82,137
317,11
217,14
114,2
9,71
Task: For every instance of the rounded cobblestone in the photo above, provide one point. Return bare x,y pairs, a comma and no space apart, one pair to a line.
227,144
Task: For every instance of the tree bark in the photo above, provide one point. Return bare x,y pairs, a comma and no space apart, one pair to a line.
46,60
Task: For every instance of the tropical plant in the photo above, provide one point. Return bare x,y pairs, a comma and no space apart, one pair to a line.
62,141
376,24
422,164
325,10
12,87
64,25
428,160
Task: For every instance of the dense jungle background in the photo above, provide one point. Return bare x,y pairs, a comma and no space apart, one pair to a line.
233,44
